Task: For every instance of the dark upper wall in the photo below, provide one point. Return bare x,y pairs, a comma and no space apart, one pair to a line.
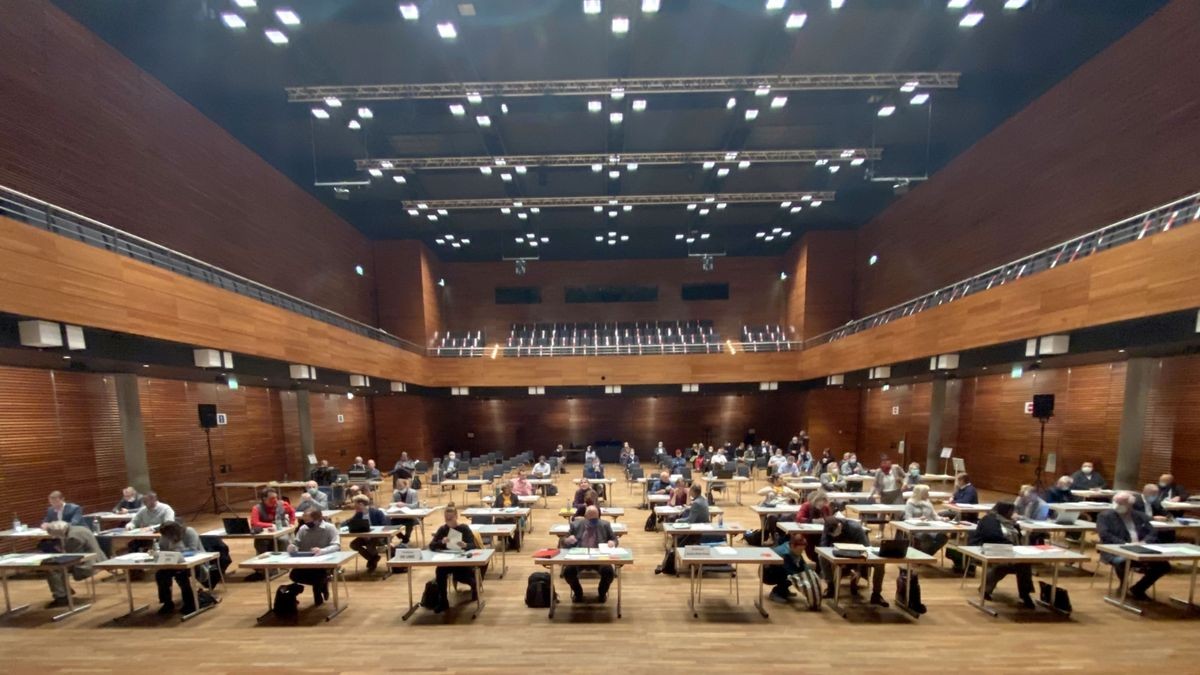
1118,136
86,129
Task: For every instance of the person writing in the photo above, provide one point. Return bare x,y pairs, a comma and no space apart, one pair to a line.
175,536
542,468
404,467
61,509
453,537
68,538
404,496
318,537
919,508
589,533
817,511
998,527
1169,490
1120,525
152,514
374,517
842,531
130,501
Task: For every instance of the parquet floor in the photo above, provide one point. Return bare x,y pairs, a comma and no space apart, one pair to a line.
657,633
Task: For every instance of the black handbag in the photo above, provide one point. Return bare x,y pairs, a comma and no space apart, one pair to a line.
1061,599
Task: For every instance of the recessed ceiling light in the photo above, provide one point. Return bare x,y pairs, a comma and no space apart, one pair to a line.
817,203
465,240
500,161
535,210
775,4
616,117
834,168
443,212
632,166
474,98
650,6
751,114
971,20
504,108
375,172
245,4
612,242
708,165
612,214
432,217
447,30
612,234
1015,4
691,207
620,25
466,9
919,99
703,212
595,106
617,93
778,101
483,120
591,6
710,200
691,240
762,91
910,86
731,103
505,210
485,170
639,105
545,240
887,110
287,17
523,216
506,177
795,20
410,12
596,168
857,161
518,204
776,230
627,208
320,113
233,20
796,209
847,154
456,244
599,238
624,237
400,179
873,259
413,212
440,240
744,164
785,233
365,113
678,237
836,4
449,236
760,235
276,36
422,205
597,209
614,174
821,162
722,172
457,109
784,205
721,205
520,169
386,164
730,156
769,237
957,4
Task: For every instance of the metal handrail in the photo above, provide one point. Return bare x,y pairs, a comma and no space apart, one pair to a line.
1158,219
57,220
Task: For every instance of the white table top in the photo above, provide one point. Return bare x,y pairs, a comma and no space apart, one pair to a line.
506,529
376,531
850,496
473,558
286,561
1162,551
1082,507
778,509
409,512
34,560
676,510
563,529
591,556
1181,506
791,526
877,509
147,561
1177,524
109,515
682,529
602,481
932,526
265,534
1025,554
728,555
1090,494
914,556
970,508
1051,526
509,511
465,481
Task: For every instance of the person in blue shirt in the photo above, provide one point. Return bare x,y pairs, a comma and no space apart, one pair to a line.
780,576
1030,505
678,462
660,485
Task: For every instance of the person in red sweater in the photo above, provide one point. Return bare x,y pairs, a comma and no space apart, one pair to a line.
816,511
269,515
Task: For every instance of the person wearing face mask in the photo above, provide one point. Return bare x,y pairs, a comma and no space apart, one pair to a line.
375,517
1087,478
319,537
1061,492
888,477
593,469
404,495
404,467
775,461
312,498
455,537
913,477
998,527
832,479
1149,503
918,507
850,465
450,465
788,468
589,532
1122,524
1030,505
1169,490
270,514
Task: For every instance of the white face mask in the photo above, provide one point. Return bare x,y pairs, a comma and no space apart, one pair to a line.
1087,470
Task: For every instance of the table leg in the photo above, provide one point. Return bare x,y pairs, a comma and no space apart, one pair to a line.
72,608
759,604
129,597
1128,581
617,571
478,591
412,607
692,591
1191,589
337,606
837,590
554,594
8,608
981,603
503,557
267,584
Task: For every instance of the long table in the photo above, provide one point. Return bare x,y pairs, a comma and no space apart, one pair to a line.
146,562
475,559
1019,555
1162,553
696,557
586,558
38,562
270,562
912,557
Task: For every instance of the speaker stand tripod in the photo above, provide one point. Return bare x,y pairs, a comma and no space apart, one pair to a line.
1037,470
218,504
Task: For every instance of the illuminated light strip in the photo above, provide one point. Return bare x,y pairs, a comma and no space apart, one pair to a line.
649,158
593,200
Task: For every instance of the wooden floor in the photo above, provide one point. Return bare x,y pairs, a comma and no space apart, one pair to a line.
656,634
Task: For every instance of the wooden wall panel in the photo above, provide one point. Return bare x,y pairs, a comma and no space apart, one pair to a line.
756,294
1172,436
888,417
401,424
58,430
1116,137
829,295
340,442
831,418
409,305
89,131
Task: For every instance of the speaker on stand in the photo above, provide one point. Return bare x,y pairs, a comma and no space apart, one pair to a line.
1043,410
207,413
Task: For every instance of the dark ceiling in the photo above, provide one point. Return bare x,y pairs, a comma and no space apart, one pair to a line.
237,78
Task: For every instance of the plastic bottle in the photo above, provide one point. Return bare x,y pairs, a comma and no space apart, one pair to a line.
721,520
16,524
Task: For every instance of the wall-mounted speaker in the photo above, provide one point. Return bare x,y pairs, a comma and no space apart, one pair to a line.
208,415
1043,406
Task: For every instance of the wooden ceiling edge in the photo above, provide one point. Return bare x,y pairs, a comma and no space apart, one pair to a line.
1115,285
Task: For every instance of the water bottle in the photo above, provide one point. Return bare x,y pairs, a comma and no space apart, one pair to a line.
154,548
16,524
95,526
721,520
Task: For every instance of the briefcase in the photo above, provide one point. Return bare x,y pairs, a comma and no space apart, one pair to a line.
1061,600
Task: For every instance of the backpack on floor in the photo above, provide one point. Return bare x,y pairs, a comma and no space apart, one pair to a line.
537,590
668,564
429,597
913,602
1061,600
551,490
808,584
416,483
753,538
287,600
651,523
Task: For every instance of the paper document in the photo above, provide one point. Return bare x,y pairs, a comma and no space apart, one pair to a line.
445,557
1032,550
134,557
724,550
850,547
617,550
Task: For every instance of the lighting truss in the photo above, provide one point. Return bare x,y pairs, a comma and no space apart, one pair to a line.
648,158
559,202
632,86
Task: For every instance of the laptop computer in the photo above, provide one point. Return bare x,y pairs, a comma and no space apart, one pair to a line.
1066,517
236,525
893,548
724,473
358,525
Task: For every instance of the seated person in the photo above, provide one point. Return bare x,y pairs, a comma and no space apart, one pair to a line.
964,493
842,531
271,514
454,537
358,466
774,461
319,537
1061,492
913,477
585,487
719,459
130,502
1169,490
312,498
1123,525
850,465
918,507
626,454
678,463
776,492
69,538
349,495
593,470
1150,504
1030,505
542,469
589,532
404,467
505,499
789,467
402,496
589,498
816,510
367,547
782,576
61,509
1087,478
998,527
175,536
805,459
660,485
153,513
678,496
831,478
520,484
450,466
696,512
324,474
588,455
373,472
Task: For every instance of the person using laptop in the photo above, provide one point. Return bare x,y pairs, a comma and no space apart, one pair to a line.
270,514
453,537
175,536
998,527
404,496
1060,493
315,537
130,501
1121,525
364,518
842,531
61,509
70,539
919,508
1087,478
590,532
404,467
312,497
1030,505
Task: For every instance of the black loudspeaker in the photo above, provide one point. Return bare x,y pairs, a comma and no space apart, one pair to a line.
208,415
1043,406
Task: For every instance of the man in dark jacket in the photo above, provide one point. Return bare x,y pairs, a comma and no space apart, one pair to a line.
454,537
367,547
1122,524
1061,492
998,527
1169,490
842,531
1087,478
589,532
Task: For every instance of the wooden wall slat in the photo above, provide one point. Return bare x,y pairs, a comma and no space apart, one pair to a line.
339,442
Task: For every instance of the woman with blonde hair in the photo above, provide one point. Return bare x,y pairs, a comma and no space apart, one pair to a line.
919,508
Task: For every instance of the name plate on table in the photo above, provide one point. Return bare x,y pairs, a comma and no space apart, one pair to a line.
697,550
997,549
408,554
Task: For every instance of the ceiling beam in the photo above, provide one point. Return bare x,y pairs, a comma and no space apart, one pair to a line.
606,200
631,86
648,158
